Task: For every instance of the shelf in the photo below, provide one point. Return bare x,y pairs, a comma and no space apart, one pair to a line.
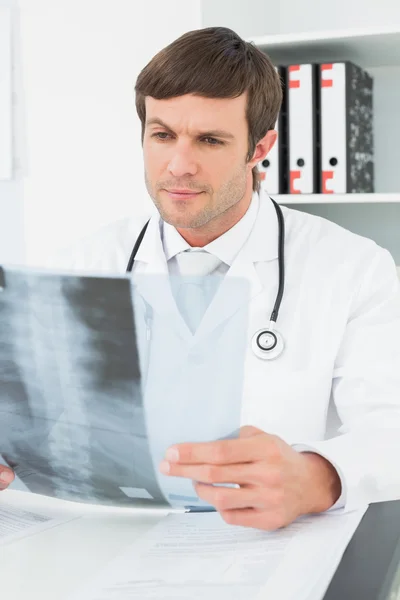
378,50
367,47
336,198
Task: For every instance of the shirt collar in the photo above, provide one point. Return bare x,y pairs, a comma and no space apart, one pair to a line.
226,247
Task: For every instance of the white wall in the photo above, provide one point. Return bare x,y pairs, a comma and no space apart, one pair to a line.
314,15
257,17
261,17
12,242
80,58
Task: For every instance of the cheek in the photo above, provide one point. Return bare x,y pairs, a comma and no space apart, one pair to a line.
219,166
155,162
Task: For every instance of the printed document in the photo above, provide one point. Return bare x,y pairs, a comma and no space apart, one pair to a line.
199,556
16,523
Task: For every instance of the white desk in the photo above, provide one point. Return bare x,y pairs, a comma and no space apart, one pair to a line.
51,564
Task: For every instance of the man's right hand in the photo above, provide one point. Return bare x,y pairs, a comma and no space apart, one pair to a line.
6,477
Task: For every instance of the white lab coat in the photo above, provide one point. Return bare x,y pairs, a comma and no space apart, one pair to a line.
340,319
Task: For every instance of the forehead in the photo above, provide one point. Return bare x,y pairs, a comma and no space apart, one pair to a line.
198,112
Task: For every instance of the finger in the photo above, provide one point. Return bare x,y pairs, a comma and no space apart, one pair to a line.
246,473
6,477
254,517
223,498
223,452
249,431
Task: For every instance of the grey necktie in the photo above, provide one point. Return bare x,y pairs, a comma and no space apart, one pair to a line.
194,290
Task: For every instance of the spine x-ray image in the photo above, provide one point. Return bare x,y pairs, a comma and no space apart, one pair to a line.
71,413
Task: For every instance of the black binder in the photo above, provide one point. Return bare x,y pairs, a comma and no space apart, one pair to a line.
370,567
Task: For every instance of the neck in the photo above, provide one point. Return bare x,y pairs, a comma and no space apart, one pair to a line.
201,236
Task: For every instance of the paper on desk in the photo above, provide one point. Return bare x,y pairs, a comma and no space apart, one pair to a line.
16,523
200,557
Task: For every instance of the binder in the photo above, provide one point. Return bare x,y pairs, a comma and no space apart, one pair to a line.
303,128
272,170
347,163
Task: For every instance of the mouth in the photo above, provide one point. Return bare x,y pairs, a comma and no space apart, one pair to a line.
182,194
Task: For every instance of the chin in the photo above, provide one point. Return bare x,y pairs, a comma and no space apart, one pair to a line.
181,221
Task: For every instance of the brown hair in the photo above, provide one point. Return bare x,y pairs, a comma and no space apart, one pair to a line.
215,63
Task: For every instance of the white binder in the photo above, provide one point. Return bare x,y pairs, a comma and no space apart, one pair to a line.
333,128
302,129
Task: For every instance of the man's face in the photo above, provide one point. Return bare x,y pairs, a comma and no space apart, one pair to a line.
196,144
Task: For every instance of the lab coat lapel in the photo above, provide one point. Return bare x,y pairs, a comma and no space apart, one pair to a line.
151,279
242,283
239,285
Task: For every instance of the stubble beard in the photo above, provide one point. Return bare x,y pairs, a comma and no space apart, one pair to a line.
187,216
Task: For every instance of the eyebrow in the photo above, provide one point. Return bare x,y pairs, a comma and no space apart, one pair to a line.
212,133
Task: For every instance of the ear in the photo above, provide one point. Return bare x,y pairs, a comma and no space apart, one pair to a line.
263,147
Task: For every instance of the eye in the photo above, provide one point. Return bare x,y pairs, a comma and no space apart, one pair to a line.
212,141
161,135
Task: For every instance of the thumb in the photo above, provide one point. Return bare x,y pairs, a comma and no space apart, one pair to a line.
248,431
6,477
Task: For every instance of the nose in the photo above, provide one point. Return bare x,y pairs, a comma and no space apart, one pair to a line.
182,162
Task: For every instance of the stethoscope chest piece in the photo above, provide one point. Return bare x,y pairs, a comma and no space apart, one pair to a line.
267,344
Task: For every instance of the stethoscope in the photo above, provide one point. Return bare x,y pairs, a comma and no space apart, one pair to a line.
266,344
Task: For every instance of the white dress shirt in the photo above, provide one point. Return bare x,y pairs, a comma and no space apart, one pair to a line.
226,247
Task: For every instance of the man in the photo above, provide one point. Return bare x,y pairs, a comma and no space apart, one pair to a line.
208,104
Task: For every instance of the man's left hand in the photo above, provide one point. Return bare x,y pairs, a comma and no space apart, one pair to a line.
277,484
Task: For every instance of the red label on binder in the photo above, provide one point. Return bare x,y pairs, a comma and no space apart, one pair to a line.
294,83
326,82
294,176
326,176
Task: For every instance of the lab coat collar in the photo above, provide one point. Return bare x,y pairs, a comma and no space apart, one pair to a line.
225,247
239,286
261,245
